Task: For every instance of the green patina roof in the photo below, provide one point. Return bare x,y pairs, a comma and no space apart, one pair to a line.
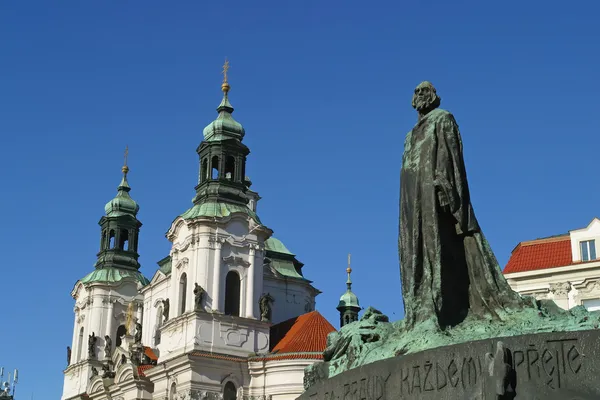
215,209
114,275
122,204
224,127
286,268
275,245
165,265
348,299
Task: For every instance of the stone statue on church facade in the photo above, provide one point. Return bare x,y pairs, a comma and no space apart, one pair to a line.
107,347
199,293
68,355
448,269
264,304
92,339
165,310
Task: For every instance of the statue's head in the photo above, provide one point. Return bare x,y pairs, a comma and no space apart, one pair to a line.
425,97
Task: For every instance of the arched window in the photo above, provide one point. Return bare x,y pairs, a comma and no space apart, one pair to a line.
230,168
229,392
159,321
173,391
204,170
232,294
111,239
182,293
214,168
123,239
103,241
79,345
121,331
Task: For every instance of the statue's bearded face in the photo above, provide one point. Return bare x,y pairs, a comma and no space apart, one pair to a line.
425,97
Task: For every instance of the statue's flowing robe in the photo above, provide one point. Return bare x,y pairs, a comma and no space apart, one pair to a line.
447,267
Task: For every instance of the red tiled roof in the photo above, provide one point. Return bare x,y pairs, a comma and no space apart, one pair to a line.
150,353
143,368
304,334
540,254
217,356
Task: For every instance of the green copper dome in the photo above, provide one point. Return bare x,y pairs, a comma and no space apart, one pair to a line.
122,204
224,127
348,299
114,275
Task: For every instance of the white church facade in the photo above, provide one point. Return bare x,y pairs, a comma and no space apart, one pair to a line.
228,313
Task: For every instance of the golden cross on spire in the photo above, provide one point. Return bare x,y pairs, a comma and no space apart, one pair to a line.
349,269
225,86
225,69
125,168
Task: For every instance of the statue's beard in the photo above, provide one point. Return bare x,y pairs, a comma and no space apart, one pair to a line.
423,104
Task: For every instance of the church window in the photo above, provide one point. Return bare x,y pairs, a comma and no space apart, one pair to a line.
79,345
588,250
230,168
214,166
111,239
173,391
103,242
182,292
159,321
232,294
123,239
121,331
204,170
229,392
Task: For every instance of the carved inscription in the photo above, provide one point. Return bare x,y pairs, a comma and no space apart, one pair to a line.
436,376
372,387
549,364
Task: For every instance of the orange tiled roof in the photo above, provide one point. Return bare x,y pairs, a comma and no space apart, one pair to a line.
540,254
304,336
150,353
143,368
217,356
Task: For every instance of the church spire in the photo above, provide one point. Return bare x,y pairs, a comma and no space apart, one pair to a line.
223,155
348,306
120,228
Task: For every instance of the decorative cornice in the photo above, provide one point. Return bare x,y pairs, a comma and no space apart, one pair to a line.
560,289
588,286
236,260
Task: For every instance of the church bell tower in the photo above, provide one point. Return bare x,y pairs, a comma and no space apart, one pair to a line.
348,305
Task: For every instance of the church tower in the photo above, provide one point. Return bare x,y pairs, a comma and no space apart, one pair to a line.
103,297
348,305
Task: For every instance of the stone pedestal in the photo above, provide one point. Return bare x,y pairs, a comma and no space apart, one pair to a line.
548,366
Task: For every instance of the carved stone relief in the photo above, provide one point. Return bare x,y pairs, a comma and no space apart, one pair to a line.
560,289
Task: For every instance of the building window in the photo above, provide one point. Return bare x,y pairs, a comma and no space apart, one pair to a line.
79,345
182,293
232,294
229,392
173,392
121,331
588,250
591,304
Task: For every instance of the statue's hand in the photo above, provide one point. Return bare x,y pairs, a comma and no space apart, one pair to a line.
443,200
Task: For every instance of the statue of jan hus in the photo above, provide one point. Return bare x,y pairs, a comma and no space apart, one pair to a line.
448,269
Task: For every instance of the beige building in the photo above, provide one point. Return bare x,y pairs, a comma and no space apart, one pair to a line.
564,268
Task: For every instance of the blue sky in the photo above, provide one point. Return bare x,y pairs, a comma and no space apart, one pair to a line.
323,90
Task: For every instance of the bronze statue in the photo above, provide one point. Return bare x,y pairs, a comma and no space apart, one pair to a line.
165,310
138,333
106,372
107,347
198,296
264,304
92,339
68,355
448,269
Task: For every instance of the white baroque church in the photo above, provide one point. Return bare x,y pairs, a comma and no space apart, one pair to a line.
228,313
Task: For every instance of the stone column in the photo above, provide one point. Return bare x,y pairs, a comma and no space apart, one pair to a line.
109,319
139,314
250,283
75,336
216,289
